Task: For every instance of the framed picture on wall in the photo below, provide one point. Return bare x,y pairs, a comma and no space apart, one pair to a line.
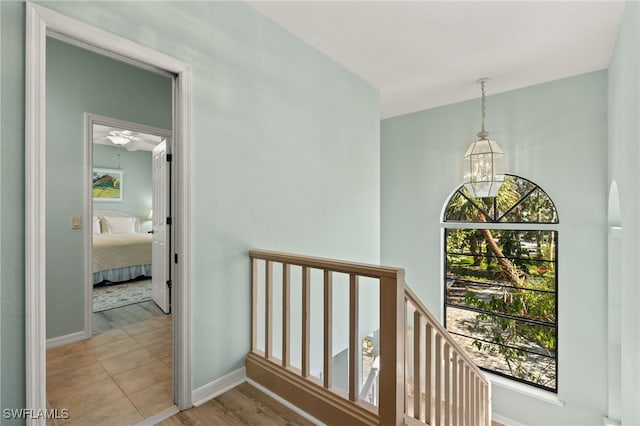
108,184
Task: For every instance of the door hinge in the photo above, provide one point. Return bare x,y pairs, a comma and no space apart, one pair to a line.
169,283
175,257
169,158
168,221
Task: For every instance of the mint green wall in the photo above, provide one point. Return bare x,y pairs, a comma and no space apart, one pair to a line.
556,135
137,181
624,160
12,324
80,81
285,157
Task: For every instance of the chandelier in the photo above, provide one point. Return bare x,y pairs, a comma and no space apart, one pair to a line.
484,165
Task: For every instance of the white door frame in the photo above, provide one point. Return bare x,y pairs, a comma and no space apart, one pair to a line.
89,121
40,22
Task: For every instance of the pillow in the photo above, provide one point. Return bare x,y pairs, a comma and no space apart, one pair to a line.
119,225
96,225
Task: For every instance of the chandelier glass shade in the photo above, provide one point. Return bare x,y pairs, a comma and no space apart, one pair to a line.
483,168
484,163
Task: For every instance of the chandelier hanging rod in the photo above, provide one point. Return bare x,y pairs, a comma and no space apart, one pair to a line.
483,134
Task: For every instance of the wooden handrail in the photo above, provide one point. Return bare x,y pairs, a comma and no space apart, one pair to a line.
456,392
361,269
460,392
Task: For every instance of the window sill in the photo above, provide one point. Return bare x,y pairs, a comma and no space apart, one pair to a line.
527,390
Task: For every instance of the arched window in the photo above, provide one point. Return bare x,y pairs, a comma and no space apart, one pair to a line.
501,279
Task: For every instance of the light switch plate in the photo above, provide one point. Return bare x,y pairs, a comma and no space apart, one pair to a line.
76,222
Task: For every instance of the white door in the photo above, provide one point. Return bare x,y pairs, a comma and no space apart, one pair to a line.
160,247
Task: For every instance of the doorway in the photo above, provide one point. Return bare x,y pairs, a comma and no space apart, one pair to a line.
128,243
42,22
126,358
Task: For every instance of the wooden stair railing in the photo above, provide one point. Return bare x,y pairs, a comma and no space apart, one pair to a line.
459,386
451,389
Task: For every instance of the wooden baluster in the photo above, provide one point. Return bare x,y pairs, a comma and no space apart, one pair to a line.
438,366
474,419
428,410
254,305
476,391
417,377
286,315
454,391
482,405
447,385
487,408
354,338
306,321
461,391
328,328
268,308
407,356
467,399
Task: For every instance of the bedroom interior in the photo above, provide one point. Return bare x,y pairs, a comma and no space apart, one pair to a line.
124,356
121,226
129,260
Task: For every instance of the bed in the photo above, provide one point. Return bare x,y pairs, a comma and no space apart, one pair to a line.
120,251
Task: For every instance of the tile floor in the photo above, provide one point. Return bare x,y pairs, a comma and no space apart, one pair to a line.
119,377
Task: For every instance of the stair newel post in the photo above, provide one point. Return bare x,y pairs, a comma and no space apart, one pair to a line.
392,336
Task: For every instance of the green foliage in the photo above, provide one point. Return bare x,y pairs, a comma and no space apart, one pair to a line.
518,201
512,338
507,274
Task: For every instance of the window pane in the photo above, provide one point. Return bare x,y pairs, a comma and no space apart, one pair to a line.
461,209
500,296
520,185
525,360
537,305
518,201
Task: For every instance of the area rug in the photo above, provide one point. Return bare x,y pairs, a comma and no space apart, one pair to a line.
117,295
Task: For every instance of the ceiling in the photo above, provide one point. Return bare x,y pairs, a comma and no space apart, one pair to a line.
423,54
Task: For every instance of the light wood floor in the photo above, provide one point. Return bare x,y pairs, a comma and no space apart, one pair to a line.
242,405
118,377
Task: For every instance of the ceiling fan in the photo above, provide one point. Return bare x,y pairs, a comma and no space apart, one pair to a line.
128,139
121,137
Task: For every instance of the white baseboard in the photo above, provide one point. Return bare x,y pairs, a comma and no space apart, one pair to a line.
218,387
65,340
286,403
506,421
